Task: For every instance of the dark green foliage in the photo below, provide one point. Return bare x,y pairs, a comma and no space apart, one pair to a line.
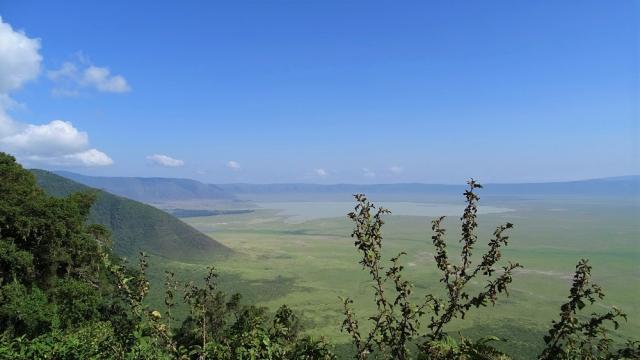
455,277
77,302
577,337
94,340
220,327
396,323
15,262
47,252
136,226
25,310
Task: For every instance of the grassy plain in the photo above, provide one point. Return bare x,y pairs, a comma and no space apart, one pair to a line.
310,264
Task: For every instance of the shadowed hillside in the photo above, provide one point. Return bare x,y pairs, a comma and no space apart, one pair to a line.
152,189
136,226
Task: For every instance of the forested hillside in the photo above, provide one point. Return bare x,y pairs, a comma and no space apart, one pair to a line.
136,226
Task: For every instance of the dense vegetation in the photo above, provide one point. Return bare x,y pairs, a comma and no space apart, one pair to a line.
136,226
64,295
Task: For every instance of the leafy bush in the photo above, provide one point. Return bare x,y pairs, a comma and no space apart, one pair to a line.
575,337
395,327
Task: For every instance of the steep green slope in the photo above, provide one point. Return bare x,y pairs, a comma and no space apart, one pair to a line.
136,226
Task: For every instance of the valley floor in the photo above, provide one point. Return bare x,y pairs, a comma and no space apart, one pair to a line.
310,262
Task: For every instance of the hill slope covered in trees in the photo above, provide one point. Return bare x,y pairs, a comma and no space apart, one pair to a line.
136,226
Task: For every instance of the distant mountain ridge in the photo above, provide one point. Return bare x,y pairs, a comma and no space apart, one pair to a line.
151,189
621,185
136,226
148,189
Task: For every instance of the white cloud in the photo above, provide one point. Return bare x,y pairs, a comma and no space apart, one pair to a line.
91,157
7,125
19,58
164,160
55,138
321,172
57,142
67,70
396,169
233,165
71,77
368,173
60,92
101,79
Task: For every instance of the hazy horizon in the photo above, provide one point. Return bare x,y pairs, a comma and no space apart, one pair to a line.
62,172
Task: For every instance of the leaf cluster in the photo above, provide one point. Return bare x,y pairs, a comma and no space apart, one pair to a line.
573,336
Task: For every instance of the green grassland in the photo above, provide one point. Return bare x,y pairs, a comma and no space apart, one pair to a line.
309,265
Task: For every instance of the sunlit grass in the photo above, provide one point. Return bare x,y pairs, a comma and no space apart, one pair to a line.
309,265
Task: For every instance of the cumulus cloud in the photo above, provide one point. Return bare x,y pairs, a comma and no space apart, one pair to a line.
55,138
102,80
57,142
91,157
19,58
7,125
368,173
233,165
60,92
67,70
164,160
396,169
73,76
321,172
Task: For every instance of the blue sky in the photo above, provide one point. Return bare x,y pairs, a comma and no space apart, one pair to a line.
327,91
